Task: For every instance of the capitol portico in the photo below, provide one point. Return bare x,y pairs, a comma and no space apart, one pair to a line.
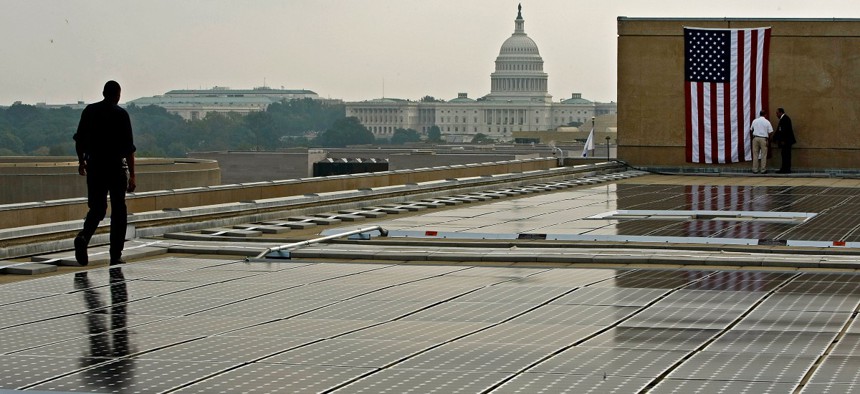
518,101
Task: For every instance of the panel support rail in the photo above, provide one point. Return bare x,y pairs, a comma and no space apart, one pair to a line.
382,232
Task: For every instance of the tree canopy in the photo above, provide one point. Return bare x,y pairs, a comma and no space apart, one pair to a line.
32,130
481,138
434,134
431,99
345,131
403,136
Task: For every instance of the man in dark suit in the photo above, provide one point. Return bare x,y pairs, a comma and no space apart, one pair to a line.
784,138
105,148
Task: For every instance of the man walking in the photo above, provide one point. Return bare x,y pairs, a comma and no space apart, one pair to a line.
105,148
784,138
761,131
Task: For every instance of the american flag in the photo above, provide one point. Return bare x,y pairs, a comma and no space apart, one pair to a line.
726,85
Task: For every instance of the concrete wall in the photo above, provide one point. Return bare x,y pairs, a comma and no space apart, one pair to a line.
26,179
814,75
239,167
406,161
28,214
244,167
426,157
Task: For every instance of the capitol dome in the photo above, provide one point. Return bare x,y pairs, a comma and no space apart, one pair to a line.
519,45
519,72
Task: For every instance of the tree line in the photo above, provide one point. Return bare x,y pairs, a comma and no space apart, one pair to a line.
38,131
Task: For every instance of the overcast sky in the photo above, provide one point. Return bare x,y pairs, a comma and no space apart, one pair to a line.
62,51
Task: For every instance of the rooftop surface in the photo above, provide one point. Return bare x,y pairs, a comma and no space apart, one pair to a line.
451,302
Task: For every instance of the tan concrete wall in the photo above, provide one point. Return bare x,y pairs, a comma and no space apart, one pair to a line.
57,211
238,167
604,126
406,161
243,167
567,137
814,74
25,179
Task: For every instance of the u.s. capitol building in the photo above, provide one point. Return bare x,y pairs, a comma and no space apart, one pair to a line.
518,101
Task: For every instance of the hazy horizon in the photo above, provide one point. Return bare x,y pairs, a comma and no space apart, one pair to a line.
62,51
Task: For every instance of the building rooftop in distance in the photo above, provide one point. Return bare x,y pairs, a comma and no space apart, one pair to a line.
194,104
227,92
561,285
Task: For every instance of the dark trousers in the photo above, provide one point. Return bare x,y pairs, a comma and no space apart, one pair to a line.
786,158
100,184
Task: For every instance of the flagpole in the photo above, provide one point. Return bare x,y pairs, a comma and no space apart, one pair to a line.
607,147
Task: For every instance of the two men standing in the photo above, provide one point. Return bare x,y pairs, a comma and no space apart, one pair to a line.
105,148
761,130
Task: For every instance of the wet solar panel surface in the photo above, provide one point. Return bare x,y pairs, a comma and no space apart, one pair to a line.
197,325
567,212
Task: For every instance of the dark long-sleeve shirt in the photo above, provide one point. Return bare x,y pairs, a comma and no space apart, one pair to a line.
104,136
784,132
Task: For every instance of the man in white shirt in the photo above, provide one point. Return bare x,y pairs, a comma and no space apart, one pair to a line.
761,130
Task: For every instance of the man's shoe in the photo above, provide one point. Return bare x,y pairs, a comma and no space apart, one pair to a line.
755,172
764,171
116,261
81,250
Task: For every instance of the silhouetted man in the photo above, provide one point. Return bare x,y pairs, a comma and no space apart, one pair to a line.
105,148
784,137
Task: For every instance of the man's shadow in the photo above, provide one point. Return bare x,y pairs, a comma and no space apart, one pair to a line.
109,337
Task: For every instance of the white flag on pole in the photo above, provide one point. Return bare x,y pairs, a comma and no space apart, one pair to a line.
589,143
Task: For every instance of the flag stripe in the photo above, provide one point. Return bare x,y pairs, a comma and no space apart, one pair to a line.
765,63
754,67
741,131
714,101
729,129
701,121
726,85
688,118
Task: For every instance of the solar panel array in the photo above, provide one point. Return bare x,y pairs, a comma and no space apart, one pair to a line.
571,211
206,325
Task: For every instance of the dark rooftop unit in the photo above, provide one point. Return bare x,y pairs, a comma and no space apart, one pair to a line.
344,166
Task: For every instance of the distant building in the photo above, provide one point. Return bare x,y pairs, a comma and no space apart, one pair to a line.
195,104
604,126
518,101
78,105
